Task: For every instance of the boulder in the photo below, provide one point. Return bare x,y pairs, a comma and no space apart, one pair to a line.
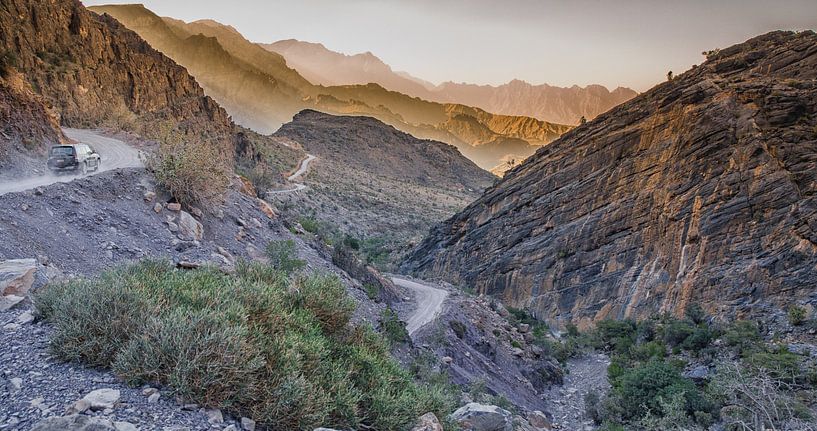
174,207
102,399
247,424
17,276
189,228
428,422
9,301
539,421
482,417
74,423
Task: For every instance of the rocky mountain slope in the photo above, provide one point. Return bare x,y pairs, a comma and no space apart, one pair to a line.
27,126
325,67
372,180
95,72
262,92
544,102
701,190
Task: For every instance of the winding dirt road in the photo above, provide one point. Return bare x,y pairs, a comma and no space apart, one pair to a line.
115,155
302,168
429,303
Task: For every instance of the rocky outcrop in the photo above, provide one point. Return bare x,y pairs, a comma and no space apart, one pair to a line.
701,190
93,71
481,417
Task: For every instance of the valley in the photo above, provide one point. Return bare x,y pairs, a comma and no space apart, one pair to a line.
284,237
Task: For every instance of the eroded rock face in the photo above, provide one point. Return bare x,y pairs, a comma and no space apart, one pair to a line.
701,190
94,71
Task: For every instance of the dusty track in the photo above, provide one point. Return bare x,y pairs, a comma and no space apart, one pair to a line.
429,303
115,155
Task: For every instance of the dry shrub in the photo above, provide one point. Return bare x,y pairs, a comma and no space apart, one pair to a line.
193,171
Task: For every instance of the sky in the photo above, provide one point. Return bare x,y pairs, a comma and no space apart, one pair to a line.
631,43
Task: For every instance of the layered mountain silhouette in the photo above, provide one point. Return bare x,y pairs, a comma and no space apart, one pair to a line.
261,91
702,190
548,103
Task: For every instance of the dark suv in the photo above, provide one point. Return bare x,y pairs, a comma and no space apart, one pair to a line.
78,158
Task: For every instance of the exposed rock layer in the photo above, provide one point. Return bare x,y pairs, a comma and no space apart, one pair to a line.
701,190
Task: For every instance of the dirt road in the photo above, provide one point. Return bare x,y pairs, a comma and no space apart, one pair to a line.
115,155
429,303
302,168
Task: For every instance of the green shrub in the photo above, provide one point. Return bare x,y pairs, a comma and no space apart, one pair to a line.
283,256
194,172
641,389
613,333
372,290
393,327
593,407
744,336
676,331
698,340
797,315
310,225
255,343
695,313
458,328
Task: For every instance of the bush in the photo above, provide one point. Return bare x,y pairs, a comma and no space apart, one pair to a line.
695,313
255,344
195,173
393,327
797,315
593,407
676,331
641,390
282,255
744,336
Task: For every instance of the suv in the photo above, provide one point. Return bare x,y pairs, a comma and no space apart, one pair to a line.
78,157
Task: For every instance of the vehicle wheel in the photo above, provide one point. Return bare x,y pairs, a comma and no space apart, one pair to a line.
84,168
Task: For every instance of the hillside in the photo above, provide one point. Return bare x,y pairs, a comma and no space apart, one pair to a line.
261,92
701,190
375,182
544,102
94,72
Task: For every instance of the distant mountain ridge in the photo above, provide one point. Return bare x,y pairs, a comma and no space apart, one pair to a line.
323,66
260,90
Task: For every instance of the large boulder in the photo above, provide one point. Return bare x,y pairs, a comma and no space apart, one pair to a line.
17,276
189,228
102,399
482,417
74,423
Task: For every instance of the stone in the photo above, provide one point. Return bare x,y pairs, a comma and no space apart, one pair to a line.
428,422
247,424
173,227
11,326
266,208
125,426
698,373
539,421
197,213
80,406
189,228
516,351
523,328
102,399
17,276
25,318
214,416
149,196
447,360
15,384
149,391
8,302
173,206
157,208
154,398
38,191
482,417
75,422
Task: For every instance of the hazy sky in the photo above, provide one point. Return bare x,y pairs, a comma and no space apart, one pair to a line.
629,42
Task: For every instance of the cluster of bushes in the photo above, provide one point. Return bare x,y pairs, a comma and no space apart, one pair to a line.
377,251
262,343
650,392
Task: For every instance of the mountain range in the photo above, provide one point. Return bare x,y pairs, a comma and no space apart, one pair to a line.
547,103
701,190
260,91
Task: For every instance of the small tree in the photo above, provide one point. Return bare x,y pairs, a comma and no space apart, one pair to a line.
797,315
194,172
669,76
582,120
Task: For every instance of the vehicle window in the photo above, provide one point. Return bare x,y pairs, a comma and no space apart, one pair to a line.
62,151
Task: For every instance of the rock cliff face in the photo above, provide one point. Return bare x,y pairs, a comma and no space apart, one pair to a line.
94,71
702,190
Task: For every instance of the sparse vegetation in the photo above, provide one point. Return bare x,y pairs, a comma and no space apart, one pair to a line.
752,385
283,256
256,343
797,315
195,173
393,328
